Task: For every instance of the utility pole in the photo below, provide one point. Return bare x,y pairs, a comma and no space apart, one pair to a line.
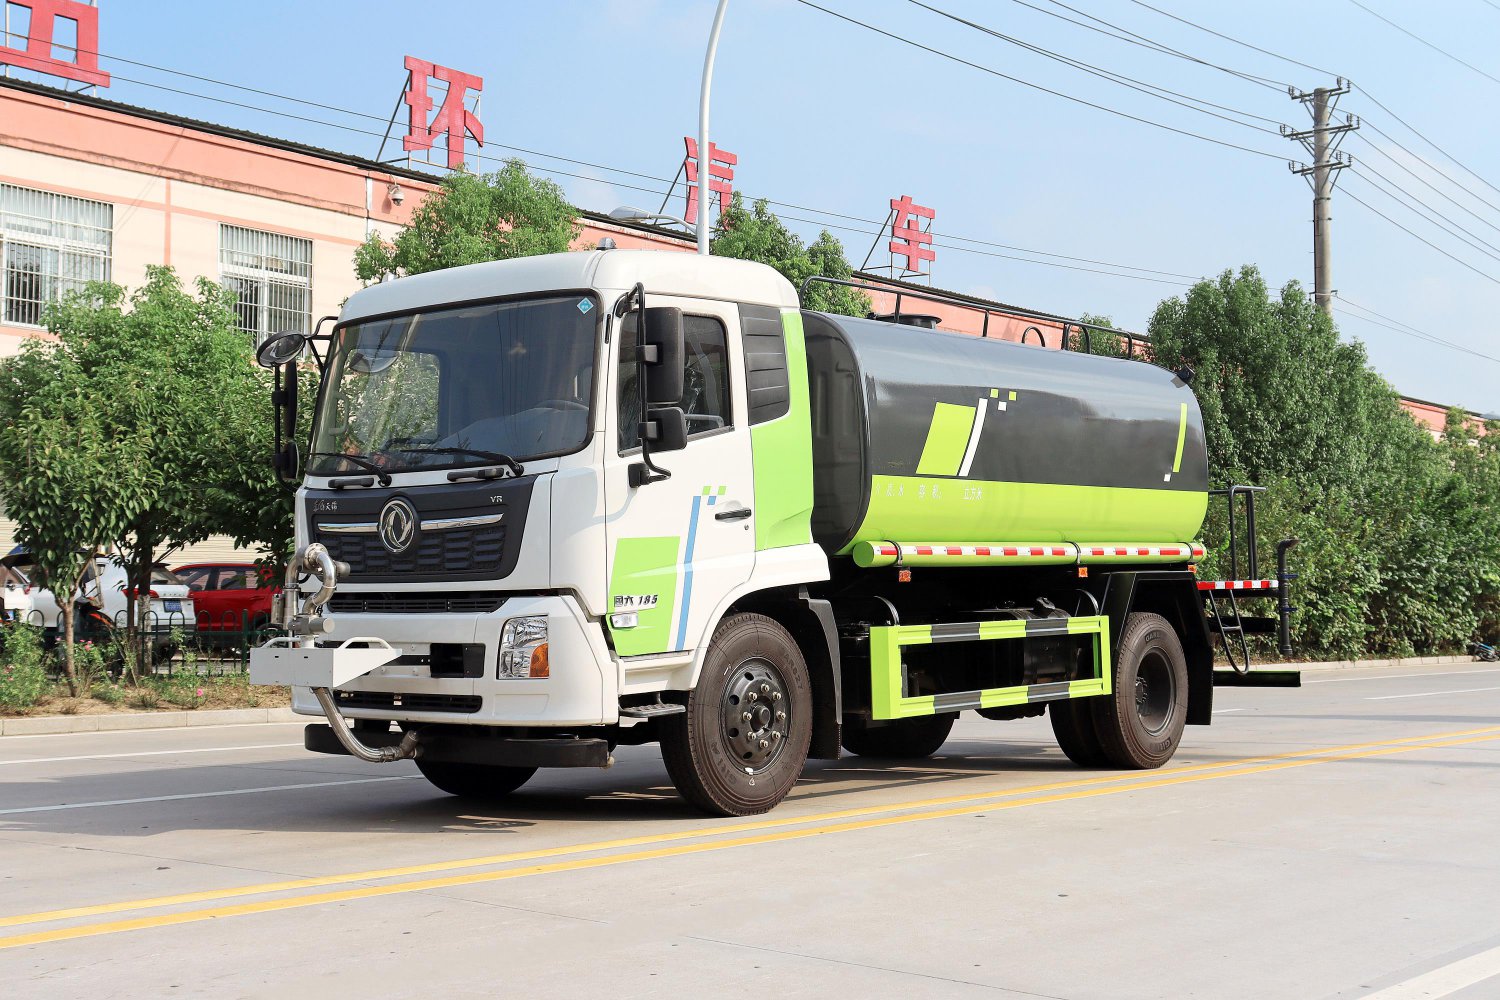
1322,142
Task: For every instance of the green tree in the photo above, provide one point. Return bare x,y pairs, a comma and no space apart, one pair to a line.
1383,515
71,480
757,234
474,218
1101,342
166,409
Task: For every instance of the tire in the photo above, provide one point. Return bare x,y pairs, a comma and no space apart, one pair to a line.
1073,725
474,781
1140,725
904,739
714,756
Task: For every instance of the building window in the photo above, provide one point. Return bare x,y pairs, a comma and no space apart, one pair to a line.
50,244
271,275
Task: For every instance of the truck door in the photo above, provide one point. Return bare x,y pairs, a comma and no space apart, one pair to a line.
678,546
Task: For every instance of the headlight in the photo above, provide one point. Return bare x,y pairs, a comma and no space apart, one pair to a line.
523,648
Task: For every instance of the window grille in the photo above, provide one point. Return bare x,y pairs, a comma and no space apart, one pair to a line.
271,276
50,245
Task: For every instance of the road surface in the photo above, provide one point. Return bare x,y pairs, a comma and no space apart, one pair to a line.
1340,840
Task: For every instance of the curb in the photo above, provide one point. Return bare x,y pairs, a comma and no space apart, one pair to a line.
43,725
1404,661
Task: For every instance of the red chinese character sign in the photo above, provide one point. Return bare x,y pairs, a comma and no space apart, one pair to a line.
50,26
910,239
453,119
720,177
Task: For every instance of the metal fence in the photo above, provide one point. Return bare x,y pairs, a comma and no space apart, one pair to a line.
227,639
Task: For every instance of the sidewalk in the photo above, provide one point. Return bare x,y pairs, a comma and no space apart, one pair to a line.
40,725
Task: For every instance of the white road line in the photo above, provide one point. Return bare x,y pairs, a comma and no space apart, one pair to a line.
203,795
1430,694
1400,677
1226,711
146,753
1445,981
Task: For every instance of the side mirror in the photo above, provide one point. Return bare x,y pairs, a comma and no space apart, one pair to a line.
665,428
661,353
279,349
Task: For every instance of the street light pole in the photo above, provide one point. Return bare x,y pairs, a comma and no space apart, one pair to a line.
703,147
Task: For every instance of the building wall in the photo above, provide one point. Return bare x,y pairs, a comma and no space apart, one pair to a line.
172,186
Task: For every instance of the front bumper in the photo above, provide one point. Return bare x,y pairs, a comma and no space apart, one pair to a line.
443,747
583,689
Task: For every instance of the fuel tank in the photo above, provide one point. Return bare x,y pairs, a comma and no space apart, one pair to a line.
924,435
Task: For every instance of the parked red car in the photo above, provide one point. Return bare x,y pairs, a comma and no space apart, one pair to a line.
229,597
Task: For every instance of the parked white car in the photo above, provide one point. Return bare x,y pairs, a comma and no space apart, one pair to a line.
104,589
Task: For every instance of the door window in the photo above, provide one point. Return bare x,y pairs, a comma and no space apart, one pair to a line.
196,578
705,395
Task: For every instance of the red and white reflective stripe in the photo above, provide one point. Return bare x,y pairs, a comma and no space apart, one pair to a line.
1158,551
887,550
971,551
1236,584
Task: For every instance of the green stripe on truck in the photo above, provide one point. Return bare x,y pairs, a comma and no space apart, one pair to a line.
947,439
781,451
959,511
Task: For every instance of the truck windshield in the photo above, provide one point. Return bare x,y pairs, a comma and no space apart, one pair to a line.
458,386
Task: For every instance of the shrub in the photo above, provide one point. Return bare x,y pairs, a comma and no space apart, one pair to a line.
23,673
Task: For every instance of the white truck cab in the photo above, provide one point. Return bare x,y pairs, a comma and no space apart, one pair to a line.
476,472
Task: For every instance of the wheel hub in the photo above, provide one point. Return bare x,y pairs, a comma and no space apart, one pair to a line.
1154,692
755,714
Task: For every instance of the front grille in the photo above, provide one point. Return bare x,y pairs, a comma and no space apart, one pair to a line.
461,550
429,603
466,704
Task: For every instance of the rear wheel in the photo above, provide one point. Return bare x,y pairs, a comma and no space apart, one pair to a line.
1073,725
741,745
1140,725
474,781
902,739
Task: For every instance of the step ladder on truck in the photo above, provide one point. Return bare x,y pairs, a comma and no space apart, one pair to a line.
557,505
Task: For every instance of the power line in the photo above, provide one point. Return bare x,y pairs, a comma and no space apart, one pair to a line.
1413,35
1410,128
1476,243
1231,38
1118,33
1004,256
1149,89
1429,184
577,162
1407,329
1034,86
657,191
1357,200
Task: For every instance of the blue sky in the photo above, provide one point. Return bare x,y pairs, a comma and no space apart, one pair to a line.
826,115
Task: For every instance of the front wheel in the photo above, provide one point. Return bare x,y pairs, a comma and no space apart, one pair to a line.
741,745
474,781
1140,725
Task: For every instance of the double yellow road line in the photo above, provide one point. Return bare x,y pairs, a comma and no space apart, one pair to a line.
296,893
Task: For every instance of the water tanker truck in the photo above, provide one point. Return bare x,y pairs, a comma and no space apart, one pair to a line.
561,504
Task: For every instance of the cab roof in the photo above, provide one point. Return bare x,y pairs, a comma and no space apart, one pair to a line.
662,272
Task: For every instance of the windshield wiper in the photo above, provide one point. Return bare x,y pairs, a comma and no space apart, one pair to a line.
381,475
488,456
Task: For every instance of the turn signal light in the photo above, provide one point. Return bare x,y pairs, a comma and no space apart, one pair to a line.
539,665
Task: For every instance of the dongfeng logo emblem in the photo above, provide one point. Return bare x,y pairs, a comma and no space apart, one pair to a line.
398,526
